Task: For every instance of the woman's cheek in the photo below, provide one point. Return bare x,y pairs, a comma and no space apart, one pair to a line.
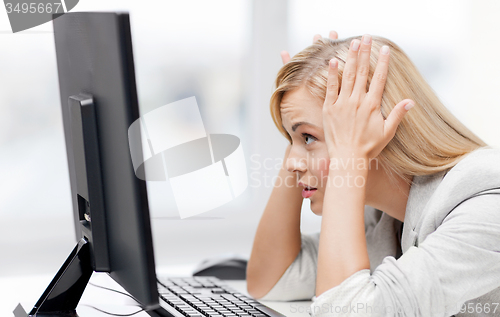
324,167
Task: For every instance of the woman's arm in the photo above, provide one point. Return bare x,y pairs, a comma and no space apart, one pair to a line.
277,240
355,133
342,244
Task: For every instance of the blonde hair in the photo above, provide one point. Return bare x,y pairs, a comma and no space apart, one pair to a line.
430,139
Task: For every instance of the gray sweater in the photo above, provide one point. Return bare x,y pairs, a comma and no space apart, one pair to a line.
443,260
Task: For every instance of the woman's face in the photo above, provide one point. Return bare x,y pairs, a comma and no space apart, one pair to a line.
301,115
302,118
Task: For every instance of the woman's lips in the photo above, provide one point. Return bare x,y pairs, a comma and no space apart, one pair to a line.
306,193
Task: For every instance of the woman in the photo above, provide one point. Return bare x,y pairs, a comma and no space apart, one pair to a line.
409,197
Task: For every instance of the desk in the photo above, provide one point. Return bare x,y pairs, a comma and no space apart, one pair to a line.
27,289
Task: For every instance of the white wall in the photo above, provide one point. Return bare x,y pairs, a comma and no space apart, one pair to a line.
226,53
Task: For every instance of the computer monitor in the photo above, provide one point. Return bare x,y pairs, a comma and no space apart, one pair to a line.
110,206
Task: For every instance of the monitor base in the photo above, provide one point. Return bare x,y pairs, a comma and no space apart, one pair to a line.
66,288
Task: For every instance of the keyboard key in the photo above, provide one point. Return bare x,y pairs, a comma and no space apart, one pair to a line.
266,310
183,306
253,311
223,311
239,311
229,297
208,310
207,285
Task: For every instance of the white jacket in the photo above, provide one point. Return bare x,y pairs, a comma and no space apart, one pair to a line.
446,263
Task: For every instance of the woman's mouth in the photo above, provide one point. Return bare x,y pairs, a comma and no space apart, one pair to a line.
308,192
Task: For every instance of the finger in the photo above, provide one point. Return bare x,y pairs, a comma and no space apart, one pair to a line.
333,35
332,83
316,37
397,114
379,76
349,74
285,57
363,66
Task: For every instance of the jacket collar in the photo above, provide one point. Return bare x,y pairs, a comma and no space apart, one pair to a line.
421,191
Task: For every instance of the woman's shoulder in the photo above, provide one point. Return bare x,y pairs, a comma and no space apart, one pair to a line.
484,159
478,173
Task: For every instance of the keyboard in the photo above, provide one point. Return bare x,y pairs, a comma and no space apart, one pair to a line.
208,296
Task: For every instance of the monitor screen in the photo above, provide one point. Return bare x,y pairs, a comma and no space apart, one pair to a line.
96,73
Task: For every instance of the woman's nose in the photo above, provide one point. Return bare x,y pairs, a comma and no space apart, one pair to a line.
294,164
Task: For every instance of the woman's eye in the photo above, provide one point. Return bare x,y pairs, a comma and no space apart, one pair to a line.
308,138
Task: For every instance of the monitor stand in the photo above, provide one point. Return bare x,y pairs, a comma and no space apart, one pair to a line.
64,292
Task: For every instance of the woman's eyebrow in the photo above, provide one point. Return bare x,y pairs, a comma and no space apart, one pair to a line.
296,125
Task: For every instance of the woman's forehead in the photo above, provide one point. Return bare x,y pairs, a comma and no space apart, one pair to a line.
300,105
299,97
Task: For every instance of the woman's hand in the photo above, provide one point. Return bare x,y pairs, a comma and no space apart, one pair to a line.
285,57
352,120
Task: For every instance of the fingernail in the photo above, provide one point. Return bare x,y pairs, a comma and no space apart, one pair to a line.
367,39
409,106
333,63
385,49
355,45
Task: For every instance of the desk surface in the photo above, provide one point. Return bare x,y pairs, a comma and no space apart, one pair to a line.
27,289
